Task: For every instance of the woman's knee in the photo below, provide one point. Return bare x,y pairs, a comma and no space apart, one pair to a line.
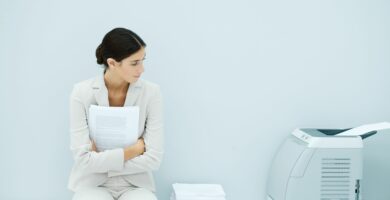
139,193
95,193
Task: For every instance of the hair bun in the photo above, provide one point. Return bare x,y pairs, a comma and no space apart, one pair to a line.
99,54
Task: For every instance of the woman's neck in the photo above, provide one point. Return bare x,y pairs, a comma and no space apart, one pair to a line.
114,82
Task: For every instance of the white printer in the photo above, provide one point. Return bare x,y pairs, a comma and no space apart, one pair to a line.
320,164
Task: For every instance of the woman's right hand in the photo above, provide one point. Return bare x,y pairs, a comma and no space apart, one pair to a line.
94,146
134,150
141,145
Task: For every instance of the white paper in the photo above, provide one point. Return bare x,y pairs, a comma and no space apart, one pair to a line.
113,127
360,130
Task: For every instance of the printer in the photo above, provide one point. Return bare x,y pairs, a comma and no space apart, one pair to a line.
320,164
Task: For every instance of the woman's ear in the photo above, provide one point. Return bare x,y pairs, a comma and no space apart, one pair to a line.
111,62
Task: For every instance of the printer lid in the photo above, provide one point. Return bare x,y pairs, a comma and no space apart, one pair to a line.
318,138
339,138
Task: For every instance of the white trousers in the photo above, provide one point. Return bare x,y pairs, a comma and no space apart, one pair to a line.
100,193
115,189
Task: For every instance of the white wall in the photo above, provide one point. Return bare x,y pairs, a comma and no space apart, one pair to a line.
237,78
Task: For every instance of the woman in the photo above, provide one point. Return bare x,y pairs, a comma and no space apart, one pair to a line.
123,173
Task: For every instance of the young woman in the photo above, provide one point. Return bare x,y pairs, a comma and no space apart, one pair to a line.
123,173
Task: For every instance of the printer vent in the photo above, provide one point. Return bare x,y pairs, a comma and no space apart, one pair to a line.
335,178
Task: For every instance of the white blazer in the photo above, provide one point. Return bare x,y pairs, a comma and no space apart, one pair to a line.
93,168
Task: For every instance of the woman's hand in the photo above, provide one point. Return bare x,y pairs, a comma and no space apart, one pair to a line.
141,146
134,150
94,146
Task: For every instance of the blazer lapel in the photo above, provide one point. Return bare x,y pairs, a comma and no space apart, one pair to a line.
100,90
133,93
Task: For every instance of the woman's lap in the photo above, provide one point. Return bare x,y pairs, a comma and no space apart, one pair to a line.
101,193
138,193
93,193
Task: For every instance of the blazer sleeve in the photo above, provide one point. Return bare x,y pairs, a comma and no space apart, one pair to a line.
81,145
151,159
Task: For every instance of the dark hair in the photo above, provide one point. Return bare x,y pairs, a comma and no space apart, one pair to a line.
118,44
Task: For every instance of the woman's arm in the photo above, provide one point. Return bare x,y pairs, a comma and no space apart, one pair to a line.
131,151
134,150
81,145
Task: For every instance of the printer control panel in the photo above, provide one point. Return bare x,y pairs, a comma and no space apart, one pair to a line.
302,136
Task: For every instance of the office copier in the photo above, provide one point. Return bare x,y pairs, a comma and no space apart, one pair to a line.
320,164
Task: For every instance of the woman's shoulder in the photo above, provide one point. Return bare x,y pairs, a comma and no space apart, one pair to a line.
149,84
84,87
150,87
85,83
151,92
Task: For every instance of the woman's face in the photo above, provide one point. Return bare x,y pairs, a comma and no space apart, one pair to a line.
131,68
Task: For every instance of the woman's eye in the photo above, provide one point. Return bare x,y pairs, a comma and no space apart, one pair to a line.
135,63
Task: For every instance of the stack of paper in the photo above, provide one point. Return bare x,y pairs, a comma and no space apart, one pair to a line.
113,127
197,192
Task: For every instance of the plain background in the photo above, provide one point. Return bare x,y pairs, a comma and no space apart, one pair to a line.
237,78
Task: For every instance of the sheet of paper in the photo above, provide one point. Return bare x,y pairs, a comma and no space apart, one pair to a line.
113,127
360,130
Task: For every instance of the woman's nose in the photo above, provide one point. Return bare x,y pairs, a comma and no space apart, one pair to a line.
141,69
